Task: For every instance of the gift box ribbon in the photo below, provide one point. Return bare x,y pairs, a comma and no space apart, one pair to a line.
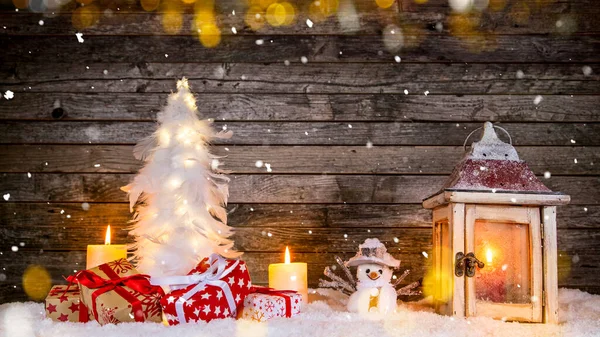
212,276
280,293
137,282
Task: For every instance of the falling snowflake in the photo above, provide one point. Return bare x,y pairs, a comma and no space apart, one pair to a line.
105,72
520,74
397,58
79,37
309,23
537,100
575,160
587,70
425,254
286,62
41,22
28,175
85,206
349,126
268,166
426,92
9,94
260,42
14,248
547,174
405,92
369,144
6,196
304,59
233,30
259,163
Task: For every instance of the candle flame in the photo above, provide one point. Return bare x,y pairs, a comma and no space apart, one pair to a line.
489,255
287,255
107,237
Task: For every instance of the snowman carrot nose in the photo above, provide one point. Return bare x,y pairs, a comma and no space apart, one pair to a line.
373,275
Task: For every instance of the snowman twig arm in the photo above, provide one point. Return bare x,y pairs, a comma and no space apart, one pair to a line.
346,270
408,290
402,277
341,283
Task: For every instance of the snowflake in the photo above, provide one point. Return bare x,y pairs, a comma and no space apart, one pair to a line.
269,306
9,94
107,316
120,266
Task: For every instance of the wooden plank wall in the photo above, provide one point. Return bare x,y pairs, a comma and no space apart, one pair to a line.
78,108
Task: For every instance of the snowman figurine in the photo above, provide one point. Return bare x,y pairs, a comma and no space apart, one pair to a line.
374,291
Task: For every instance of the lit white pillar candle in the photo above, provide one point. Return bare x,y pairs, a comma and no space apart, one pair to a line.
100,254
289,276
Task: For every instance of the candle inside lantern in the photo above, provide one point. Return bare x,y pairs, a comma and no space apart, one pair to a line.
491,284
289,276
100,254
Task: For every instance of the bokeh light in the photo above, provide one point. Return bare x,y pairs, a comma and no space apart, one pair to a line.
149,5
210,35
85,2
84,17
172,17
255,17
21,4
37,6
460,6
280,14
393,38
36,282
385,3
319,10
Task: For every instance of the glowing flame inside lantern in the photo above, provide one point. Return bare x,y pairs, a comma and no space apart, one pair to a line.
489,256
287,255
107,237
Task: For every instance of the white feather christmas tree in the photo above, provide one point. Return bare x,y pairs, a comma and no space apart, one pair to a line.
180,193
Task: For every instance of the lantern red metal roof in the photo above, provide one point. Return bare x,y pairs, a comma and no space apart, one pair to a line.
493,165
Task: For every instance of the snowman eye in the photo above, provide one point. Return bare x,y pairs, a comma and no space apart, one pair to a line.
380,271
368,271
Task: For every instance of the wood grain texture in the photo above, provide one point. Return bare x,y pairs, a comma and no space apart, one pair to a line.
320,48
304,133
336,189
309,107
297,159
336,78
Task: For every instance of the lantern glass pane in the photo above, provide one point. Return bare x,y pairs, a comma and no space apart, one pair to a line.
444,262
505,250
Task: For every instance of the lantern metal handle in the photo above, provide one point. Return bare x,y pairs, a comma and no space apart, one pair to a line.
465,264
481,127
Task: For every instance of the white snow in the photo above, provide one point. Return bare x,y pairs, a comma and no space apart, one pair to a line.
9,94
79,37
326,315
6,196
309,23
233,30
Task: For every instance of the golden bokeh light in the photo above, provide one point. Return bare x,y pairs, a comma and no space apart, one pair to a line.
255,17
189,2
36,282
276,15
21,4
210,35
150,5
84,17
385,3
172,21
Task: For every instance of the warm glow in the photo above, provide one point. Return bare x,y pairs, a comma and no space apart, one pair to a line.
287,255
489,256
107,237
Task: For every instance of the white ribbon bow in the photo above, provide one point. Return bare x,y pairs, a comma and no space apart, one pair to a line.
212,276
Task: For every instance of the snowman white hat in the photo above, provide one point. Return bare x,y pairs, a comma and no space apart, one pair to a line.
373,251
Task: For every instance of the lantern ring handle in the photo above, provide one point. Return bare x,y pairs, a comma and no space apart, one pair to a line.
481,127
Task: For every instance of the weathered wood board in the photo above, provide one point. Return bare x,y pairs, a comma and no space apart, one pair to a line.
559,161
